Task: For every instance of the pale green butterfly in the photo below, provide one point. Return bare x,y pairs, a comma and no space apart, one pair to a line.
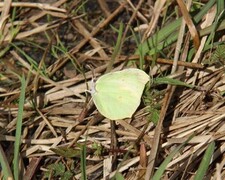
117,95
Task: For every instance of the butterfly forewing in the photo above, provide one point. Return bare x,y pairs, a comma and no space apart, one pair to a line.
118,94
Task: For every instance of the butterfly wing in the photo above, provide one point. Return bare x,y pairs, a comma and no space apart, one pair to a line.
118,94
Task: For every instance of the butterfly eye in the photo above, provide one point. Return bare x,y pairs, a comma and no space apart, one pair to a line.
91,89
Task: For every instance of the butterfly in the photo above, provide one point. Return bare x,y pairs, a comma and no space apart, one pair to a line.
117,95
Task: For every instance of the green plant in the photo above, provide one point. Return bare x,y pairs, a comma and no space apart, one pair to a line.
58,170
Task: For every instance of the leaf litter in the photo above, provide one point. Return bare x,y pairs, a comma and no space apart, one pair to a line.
58,46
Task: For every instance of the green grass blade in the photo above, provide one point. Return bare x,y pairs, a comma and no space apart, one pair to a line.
205,162
5,165
220,6
29,59
167,36
218,20
119,176
117,48
176,82
83,162
137,38
158,174
204,10
4,51
19,129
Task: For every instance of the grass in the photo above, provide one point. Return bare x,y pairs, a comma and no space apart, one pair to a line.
16,159
49,125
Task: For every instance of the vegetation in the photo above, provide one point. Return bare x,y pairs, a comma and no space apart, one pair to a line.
51,52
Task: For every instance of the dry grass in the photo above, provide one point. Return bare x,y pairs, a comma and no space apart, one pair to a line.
54,45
